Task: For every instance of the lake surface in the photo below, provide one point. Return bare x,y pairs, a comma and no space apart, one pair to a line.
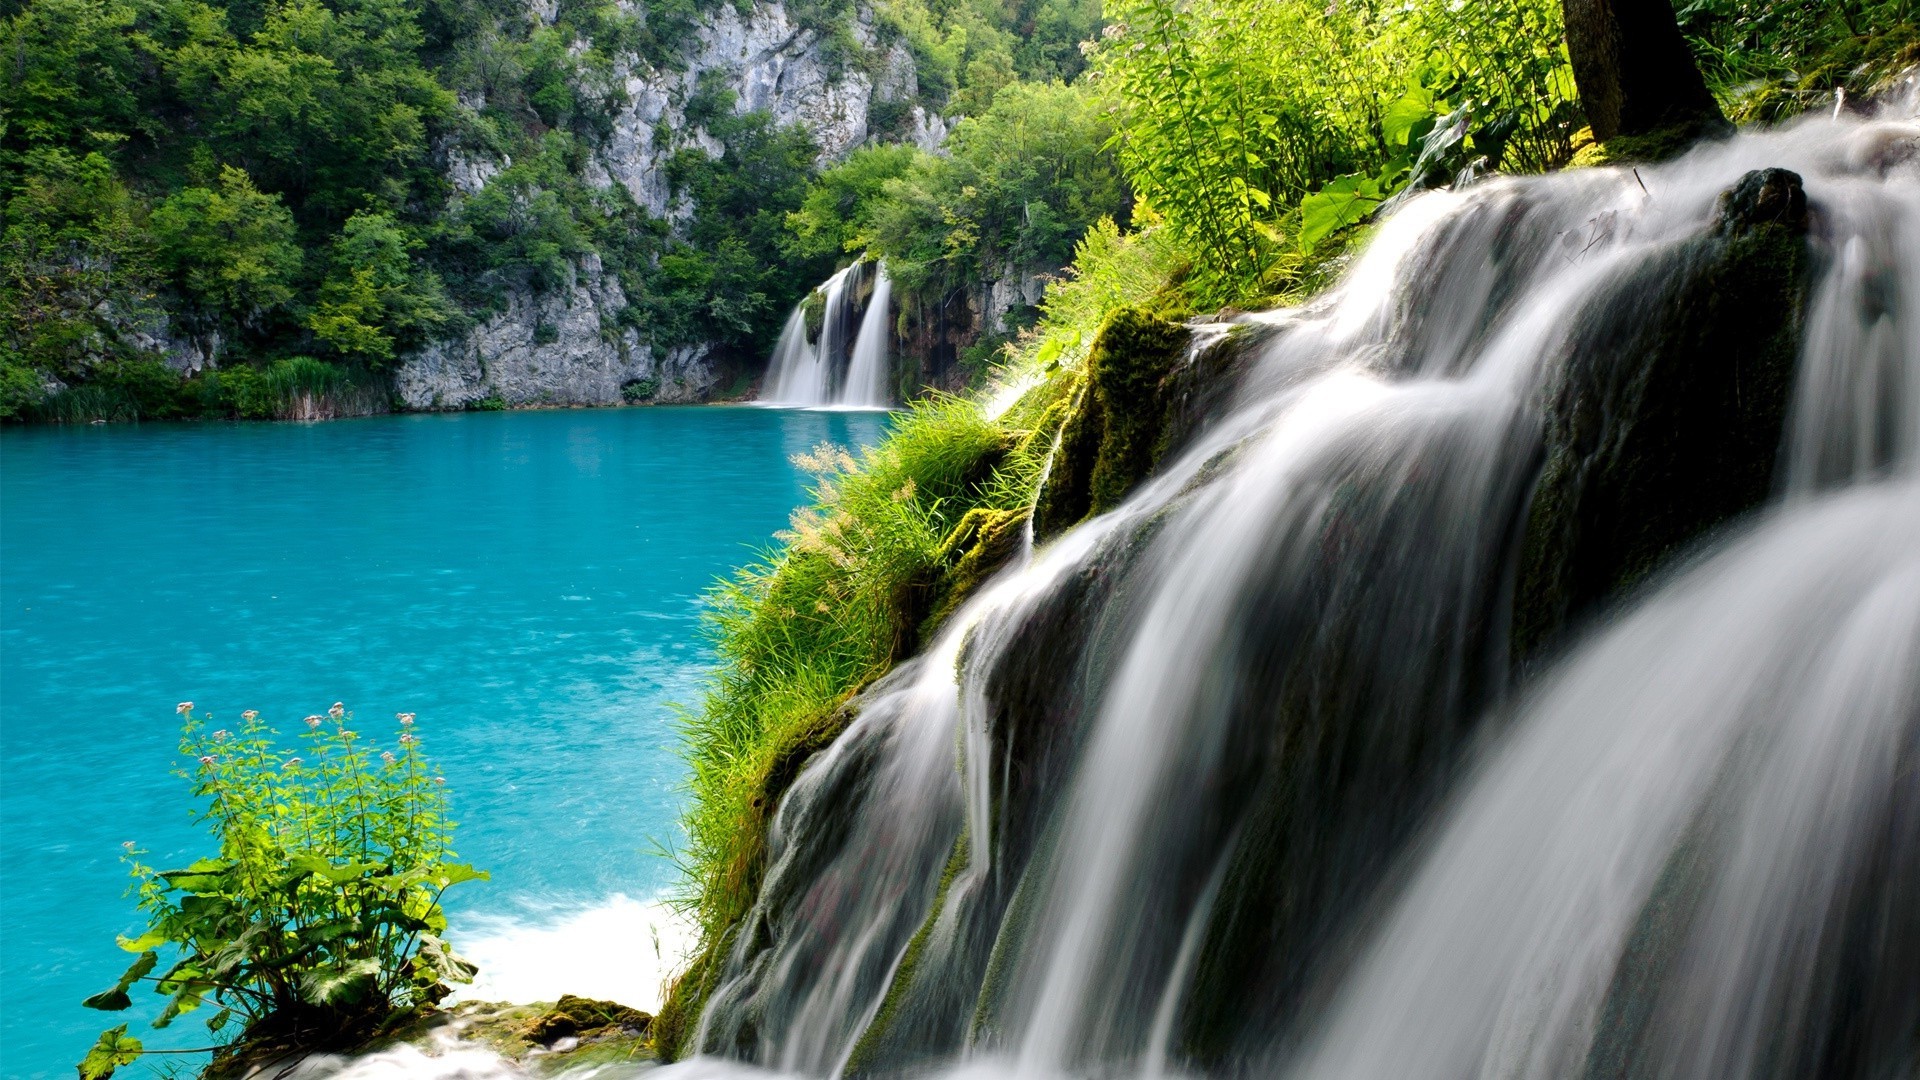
528,583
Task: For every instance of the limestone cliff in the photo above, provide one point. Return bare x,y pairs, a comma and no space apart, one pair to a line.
570,345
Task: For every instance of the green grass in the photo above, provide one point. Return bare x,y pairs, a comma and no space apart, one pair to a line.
844,596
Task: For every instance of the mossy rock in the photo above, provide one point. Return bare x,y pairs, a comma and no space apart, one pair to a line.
679,1019
813,310
983,542
1113,436
587,1018
541,1039
1667,417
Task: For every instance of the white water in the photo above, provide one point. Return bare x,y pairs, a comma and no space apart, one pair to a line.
622,949
868,370
1424,369
849,366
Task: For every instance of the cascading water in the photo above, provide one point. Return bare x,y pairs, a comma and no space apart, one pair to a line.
846,366
1141,805
867,369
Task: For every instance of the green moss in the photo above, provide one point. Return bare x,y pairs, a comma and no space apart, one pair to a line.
1113,434
1661,145
814,310
977,547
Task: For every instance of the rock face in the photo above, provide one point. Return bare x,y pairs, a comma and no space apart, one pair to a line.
770,63
566,347
569,346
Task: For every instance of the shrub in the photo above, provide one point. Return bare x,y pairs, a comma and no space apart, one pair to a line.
318,921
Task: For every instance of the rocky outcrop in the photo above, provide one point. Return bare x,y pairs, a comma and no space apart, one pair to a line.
566,347
770,63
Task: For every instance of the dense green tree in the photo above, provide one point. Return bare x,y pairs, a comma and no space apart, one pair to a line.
231,250
72,80
377,299
1019,187
837,213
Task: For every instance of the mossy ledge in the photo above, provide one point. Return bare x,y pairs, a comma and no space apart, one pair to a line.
1113,438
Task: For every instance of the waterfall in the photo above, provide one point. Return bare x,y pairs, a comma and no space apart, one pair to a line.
1244,775
868,370
847,366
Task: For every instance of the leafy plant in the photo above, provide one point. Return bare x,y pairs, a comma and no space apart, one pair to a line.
319,919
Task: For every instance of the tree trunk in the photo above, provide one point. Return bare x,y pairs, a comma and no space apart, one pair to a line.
1635,72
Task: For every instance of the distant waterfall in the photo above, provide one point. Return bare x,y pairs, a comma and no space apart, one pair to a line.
1228,781
840,369
867,371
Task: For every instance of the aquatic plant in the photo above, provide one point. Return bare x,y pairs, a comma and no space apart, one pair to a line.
318,921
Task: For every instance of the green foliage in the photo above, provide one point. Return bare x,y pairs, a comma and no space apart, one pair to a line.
836,215
1768,59
292,387
376,298
231,251
967,50
319,918
76,274
717,282
1018,187
1238,109
803,627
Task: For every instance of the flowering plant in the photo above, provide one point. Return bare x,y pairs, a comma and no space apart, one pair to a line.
319,920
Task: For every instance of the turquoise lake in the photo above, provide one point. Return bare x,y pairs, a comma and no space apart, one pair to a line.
528,583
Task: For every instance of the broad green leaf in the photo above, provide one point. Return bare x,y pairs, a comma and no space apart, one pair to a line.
109,1001
1340,203
116,999
144,942
332,985
456,873
1404,114
112,1050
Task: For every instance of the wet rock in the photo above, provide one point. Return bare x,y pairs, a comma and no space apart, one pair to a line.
1666,419
585,1019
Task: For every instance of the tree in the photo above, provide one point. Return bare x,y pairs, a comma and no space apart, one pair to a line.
231,250
1635,72
375,302
75,274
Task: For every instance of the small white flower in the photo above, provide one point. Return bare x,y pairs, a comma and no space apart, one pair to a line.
183,708
337,710
313,721
387,756
207,760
